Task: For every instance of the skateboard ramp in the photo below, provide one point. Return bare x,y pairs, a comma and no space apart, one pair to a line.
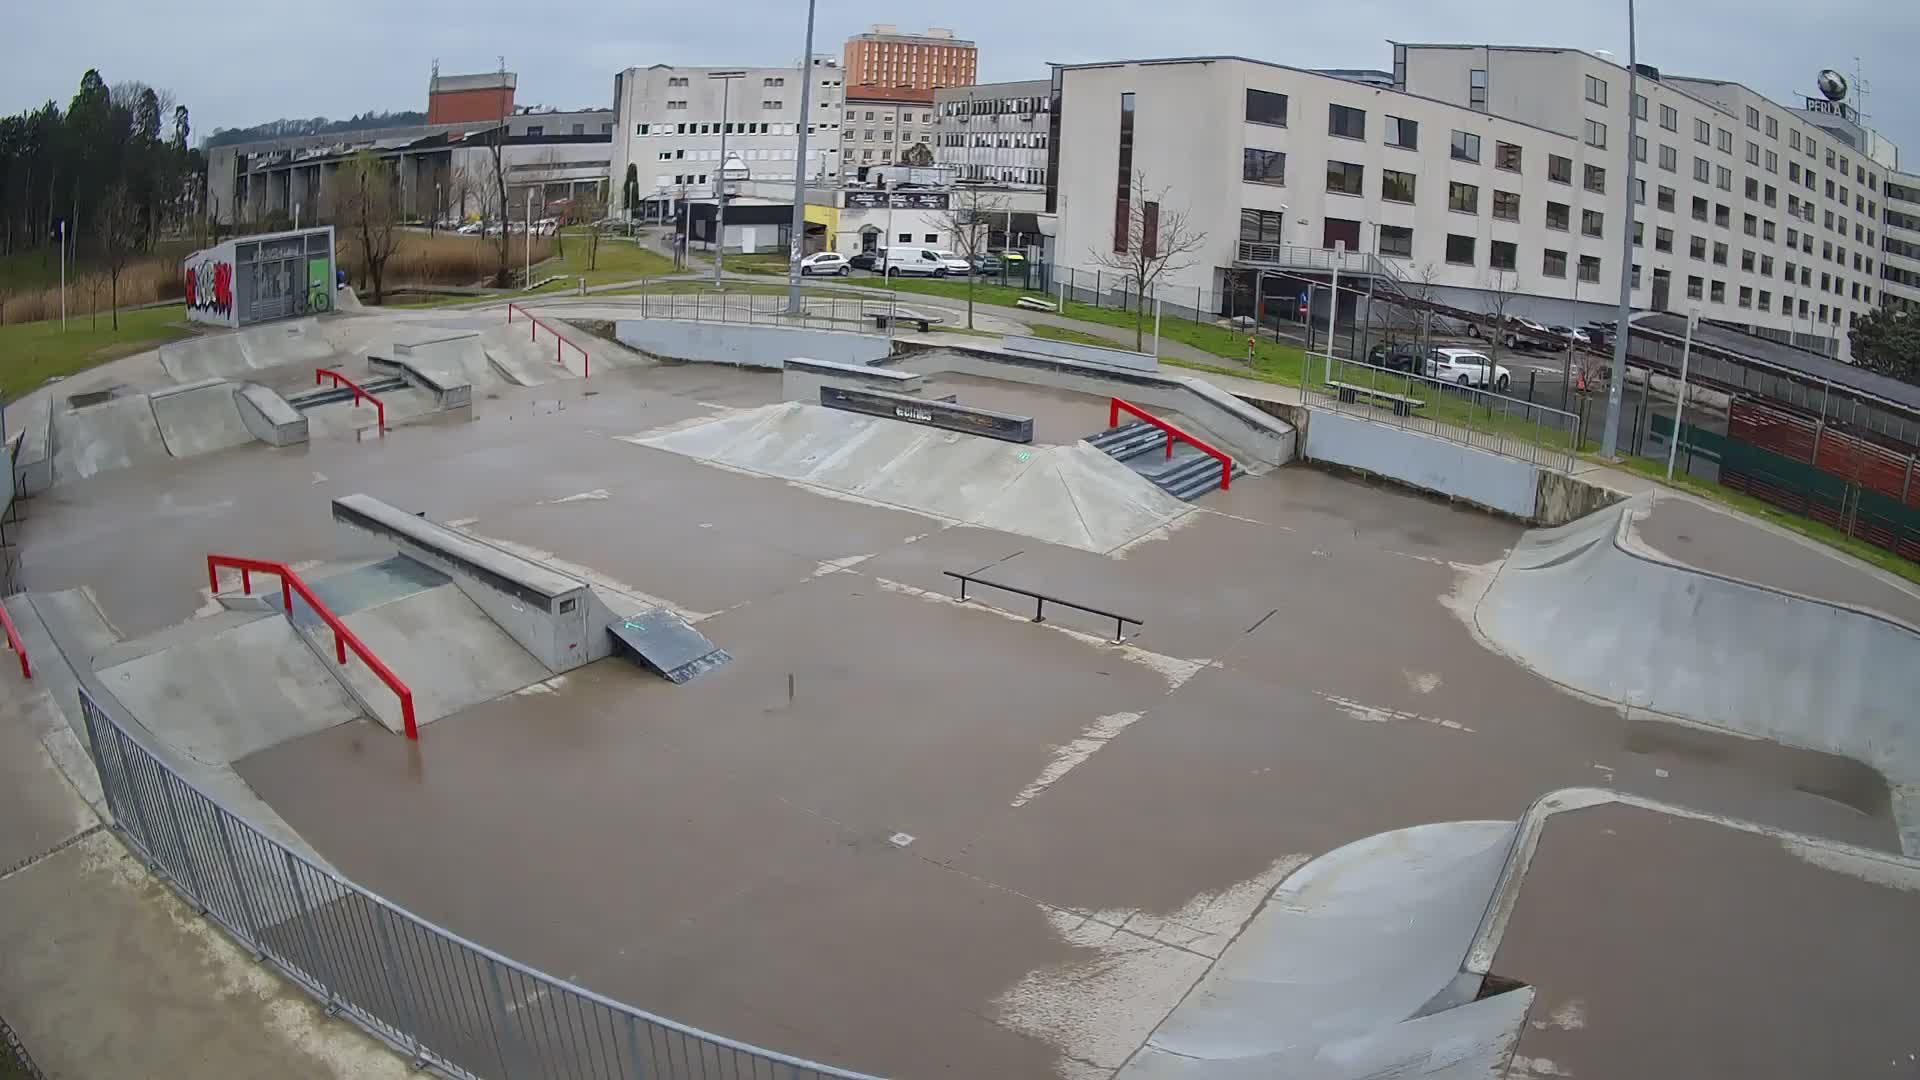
199,418
1349,970
1588,607
240,352
1071,495
666,643
115,434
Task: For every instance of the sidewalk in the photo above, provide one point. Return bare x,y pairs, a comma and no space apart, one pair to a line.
106,971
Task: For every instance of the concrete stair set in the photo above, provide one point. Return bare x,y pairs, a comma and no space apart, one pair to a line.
1187,475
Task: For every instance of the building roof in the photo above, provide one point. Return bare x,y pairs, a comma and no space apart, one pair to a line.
1767,352
904,95
492,80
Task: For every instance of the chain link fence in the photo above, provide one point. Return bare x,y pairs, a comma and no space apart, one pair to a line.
451,1004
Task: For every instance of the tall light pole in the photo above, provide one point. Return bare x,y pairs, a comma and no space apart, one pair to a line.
1609,439
726,79
796,245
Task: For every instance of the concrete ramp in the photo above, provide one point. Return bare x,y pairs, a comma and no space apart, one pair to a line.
219,696
199,418
1351,970
224,354
1589,608
1070,495
115,434
519,360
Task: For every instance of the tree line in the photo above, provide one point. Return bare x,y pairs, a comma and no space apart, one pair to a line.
319,125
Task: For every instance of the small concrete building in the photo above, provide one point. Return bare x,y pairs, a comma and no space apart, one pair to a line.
254,279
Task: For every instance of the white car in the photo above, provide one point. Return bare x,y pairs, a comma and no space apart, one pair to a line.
954,263
822,263
1468,368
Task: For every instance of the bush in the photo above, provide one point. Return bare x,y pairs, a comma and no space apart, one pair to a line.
446,260
140,283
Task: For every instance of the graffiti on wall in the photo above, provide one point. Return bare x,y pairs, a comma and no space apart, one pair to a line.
210,287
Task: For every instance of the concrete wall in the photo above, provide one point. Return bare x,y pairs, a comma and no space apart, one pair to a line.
802,378
747,346
33,468
269,417
1086,354
1566,498
1502,484
451,391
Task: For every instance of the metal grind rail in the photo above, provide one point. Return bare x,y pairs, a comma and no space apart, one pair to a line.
1116,406
343,638
560,340
13,642
1041,600
340,380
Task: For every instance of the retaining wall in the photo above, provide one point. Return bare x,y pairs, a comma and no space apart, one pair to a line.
1086,354
802,378
1501,484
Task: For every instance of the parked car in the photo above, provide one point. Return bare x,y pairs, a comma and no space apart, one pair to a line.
1523,334
913,262
1601,334
865,260
954,263
1448,326
1399,356
988,263
823,263
1572,334
1468,368
1014,259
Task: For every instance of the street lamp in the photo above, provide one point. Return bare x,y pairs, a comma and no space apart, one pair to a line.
725,79
1609,439
796,244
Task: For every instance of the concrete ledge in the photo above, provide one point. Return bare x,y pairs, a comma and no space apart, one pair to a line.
1564,498
744,344
269,417
1086,354
1491,481
33,463
451,390
802,377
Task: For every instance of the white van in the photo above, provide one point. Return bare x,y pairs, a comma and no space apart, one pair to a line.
913,262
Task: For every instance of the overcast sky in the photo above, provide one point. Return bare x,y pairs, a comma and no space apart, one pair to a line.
245,63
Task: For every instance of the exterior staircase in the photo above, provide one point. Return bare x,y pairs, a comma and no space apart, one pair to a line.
1187,475
328,395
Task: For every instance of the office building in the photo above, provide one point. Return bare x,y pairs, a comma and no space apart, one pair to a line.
883,126
995,132
885,57
1486,177
454,99
1900,244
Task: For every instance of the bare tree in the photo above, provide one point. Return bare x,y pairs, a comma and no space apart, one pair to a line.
968,219
91,286
1150,239
365,206
586,209
121,224
1501,287
497,182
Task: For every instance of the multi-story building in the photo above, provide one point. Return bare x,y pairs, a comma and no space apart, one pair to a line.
883,56
995,132
669,123
885,125
454,99
1488,178
1900,241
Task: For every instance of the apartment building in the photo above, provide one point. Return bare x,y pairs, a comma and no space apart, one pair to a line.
885,125
669,122
995,132
1489,178
883,56
1900,241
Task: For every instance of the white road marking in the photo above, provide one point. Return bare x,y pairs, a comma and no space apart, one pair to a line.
1066,758
1377,715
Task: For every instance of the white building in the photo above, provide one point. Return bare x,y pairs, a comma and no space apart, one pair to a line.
995,132
1494,178
668,126
882,125
1900,244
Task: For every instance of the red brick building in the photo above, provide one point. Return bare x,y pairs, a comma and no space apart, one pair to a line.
459,99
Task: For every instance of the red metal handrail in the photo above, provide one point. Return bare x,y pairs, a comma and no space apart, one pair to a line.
358,393
14,643
1115,407
343,638
586,362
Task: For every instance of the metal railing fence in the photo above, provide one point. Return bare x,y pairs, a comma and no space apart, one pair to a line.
1483,419
453,1005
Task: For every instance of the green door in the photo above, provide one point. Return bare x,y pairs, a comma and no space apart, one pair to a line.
319,289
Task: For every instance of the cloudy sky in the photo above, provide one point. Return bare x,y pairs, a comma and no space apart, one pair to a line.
244,63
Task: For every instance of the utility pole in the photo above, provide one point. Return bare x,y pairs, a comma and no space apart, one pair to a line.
526,242
1680,404
726,79
797,241
1610,438
63,276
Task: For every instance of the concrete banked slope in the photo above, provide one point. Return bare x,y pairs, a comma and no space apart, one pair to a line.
1592,608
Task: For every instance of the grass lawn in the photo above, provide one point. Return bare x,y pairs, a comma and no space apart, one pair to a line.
618,259
1747,504
32,353
757,264
1078,337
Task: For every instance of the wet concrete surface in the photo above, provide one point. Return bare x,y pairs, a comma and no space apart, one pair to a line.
1703,537
1768,959
720,853
1059,416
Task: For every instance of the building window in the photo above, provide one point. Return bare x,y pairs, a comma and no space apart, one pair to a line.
1773,162
1699,208
1669,158
1696,287
1747,260
1346,123
1750,224
1663,199
1640,106
1396,240
1559,169
1261,226
1753,118
1590,269
1123,189
1344,177
1719,253
1502,255
1263,167
1396,186
1592,223
1477,92
1553,263
1670,118
1753,153
1403,133
1719,293
1793,139
1773,128
1697,248
1596,134
1558,215
1466,146
1639,148
1596,179
1723,140
1723,178
1636,276
1463,198
1596,90
1753,188
1703,170
1793,172
1703,132
1506,156
1460,249
1266,108
1766,297
1766,266
1663,240
1506,205
1722,215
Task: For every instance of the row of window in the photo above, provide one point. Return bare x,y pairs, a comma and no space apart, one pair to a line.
1000,106
716,129
1021,141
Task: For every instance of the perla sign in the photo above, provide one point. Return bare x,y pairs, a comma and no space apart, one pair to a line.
1832,108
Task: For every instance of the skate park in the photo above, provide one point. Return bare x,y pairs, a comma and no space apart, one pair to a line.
1304,773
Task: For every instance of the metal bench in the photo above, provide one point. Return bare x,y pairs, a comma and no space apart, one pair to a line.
881,319
1402,404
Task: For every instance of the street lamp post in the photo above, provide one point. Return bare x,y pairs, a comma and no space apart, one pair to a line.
796,245
726,79
1609,439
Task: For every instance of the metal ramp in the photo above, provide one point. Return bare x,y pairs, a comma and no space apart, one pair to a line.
666,643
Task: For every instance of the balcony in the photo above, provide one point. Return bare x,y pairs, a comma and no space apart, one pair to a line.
1324,260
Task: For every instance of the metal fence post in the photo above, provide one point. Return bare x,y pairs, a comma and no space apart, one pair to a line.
239,886
310,946
511,1039
389,968
186,854
139,807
